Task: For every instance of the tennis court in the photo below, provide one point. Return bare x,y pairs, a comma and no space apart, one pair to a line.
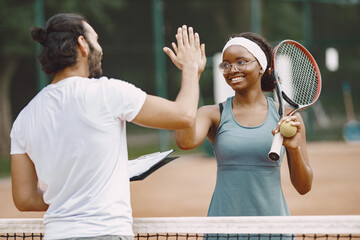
184,187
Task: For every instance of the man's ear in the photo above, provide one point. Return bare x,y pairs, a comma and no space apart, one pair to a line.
83,46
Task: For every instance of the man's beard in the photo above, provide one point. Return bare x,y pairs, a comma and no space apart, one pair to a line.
94,61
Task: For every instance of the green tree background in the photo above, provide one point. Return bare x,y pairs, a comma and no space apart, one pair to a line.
126,35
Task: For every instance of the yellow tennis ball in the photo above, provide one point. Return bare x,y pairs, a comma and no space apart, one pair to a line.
288,130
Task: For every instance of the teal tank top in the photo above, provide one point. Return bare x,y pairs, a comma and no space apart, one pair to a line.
248,182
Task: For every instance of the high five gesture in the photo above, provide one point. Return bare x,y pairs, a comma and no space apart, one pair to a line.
188,50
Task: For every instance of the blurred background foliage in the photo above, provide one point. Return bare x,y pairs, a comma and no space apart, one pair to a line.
126,33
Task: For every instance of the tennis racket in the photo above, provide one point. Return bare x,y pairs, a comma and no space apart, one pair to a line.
297,82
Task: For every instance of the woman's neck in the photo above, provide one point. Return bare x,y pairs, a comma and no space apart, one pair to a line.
249,99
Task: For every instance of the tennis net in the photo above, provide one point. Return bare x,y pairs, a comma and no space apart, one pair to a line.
216,228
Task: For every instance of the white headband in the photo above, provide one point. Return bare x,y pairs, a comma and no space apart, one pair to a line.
252,47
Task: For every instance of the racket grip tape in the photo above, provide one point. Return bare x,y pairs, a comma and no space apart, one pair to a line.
275,150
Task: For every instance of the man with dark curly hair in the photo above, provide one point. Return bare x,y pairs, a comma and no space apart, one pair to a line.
68,145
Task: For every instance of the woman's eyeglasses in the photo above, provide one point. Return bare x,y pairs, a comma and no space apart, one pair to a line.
239,66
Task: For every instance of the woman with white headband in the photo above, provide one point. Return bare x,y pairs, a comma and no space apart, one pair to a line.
241,131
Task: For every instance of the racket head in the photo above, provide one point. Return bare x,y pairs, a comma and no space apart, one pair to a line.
298,74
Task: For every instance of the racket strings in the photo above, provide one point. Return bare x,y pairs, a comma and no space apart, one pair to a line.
297,74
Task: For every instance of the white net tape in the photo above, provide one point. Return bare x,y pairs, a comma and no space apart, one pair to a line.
348,224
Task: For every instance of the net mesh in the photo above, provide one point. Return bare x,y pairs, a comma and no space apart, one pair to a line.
297,74
215,228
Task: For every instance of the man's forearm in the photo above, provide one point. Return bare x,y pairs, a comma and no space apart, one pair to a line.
33,202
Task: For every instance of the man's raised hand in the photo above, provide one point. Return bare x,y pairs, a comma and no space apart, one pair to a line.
188,49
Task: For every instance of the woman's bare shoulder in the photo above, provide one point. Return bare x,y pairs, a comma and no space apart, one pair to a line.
210,110
212,113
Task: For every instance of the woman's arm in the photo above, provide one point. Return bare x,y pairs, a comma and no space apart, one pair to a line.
206,123
298,159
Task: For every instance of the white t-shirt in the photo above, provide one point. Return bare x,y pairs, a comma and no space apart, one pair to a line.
75,133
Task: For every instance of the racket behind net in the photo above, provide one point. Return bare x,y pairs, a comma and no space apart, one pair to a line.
297,81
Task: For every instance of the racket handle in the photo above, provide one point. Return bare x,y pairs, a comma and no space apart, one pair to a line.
275,150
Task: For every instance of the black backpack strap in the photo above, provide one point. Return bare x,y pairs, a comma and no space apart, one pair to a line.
221,108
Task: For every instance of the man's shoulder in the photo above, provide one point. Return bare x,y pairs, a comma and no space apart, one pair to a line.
105,80
117,84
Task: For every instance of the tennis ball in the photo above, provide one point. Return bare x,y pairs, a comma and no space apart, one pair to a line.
287,130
